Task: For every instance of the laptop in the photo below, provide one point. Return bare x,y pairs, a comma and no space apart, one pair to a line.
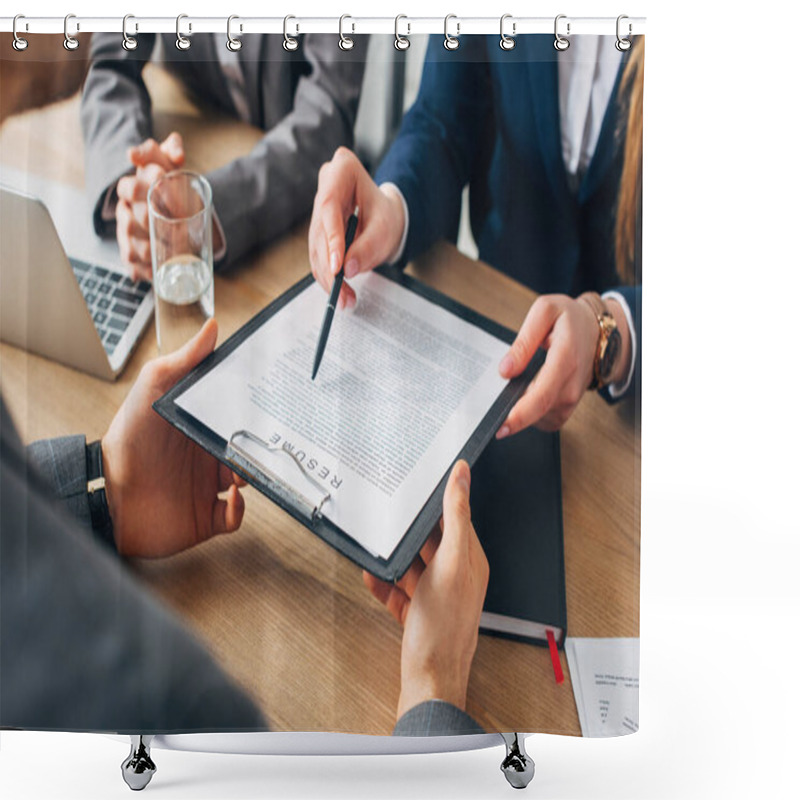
66,297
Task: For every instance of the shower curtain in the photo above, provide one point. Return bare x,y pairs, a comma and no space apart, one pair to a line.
507,180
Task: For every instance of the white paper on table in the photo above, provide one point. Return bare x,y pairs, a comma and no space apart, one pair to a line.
605,681
403,385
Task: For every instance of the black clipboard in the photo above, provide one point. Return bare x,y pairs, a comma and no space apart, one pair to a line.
303,500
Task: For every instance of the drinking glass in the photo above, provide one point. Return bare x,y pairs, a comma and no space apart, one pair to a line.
179,209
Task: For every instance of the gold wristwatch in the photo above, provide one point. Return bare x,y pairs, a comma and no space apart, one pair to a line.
609,344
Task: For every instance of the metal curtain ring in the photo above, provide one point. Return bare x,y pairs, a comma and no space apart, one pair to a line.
19,43
401,42
233,44
560,42
129,42
345,42
623,44
507,42
181,42
289,43
451,42
70,42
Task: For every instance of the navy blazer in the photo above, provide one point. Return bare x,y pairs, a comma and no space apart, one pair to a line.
490,118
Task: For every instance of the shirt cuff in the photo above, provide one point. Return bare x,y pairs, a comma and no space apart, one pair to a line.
108,211
399,252
618,389
221,251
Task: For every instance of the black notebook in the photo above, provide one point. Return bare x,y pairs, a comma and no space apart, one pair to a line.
516,511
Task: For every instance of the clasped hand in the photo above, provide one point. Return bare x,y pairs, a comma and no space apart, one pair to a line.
151,160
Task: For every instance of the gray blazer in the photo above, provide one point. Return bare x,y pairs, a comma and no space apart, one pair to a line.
306,101
84,646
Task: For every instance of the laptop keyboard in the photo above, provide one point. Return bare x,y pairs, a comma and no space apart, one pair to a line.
112,299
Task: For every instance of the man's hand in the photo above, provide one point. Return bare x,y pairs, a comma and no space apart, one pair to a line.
342,186
152,160
439,603
569,331
162,488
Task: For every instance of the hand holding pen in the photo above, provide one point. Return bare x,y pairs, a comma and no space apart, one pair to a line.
343,185
352,224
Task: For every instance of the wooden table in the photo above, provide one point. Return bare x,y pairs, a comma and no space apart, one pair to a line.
286,615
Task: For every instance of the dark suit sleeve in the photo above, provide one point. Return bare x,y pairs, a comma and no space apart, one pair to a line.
261,195
84,647
61,463
436,718
432,158
115,115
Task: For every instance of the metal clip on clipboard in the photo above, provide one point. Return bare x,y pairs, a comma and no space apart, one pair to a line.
255,468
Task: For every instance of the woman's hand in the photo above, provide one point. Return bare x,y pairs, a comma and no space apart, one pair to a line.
568,329
342,186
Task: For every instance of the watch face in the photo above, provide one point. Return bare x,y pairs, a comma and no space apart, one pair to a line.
609,358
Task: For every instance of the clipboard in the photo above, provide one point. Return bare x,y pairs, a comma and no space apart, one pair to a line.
303,497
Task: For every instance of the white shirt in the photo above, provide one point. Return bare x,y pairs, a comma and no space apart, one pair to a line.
587,71
232,69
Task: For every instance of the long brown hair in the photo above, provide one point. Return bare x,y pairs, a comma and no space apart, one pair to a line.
629,203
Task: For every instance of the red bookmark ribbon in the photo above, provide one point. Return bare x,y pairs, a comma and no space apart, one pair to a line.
557,671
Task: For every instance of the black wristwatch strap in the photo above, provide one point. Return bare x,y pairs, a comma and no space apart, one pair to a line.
96,492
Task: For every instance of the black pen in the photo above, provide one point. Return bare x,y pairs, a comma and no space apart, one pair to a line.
352,223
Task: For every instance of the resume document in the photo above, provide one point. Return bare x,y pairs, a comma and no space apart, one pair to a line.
402,387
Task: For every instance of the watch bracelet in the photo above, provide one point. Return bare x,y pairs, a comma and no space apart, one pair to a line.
600,310
99,511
